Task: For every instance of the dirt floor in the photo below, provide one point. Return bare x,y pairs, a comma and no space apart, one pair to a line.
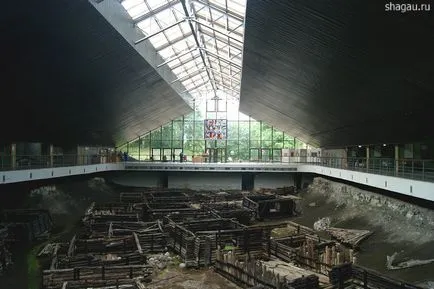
175,278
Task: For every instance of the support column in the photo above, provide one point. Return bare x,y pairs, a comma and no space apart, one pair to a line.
367,158
396,159
51,152
13,156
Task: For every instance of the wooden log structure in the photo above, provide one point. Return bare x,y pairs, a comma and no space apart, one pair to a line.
169,196
348,275
101,284
27,224
349,237
5,255
271,206
132,197
230,211
249,272
308,251
197,241
55,278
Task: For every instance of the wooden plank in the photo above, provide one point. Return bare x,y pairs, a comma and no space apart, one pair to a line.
139,247
71,246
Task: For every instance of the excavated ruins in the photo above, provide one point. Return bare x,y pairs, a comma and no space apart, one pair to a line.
161,238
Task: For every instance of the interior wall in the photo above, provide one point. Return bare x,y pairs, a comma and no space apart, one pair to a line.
205,181
273,180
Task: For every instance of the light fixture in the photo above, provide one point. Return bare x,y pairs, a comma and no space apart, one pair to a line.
384,145
360,146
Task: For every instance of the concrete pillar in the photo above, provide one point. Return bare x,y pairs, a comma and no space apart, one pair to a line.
13,156
367,158
51,153
396,159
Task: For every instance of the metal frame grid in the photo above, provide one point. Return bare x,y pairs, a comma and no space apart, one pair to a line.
201,41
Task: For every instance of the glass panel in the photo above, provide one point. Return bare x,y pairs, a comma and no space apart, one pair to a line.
155,154
232,150
232,130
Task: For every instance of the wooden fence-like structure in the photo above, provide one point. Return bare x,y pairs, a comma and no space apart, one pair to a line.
309,252
271,206
197,241
349,275
54,279
251,272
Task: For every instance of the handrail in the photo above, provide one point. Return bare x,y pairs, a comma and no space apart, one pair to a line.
404,168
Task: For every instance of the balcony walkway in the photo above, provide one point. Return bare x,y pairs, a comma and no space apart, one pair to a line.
417,183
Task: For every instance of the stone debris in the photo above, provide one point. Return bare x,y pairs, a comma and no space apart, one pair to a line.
322,224
161,261
390,260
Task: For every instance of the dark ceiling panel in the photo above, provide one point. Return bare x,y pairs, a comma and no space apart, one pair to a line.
338,72
69,77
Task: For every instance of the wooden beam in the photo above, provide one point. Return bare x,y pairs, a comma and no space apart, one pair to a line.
139,247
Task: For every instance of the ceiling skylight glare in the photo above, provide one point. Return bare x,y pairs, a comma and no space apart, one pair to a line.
201,41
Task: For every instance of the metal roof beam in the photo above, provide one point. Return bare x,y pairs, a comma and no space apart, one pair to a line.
174,41
158,32
224,74
223,39
221,58
181,63
190,75
176,57
218,31
221,25
167,5
221,10
187,13
196,87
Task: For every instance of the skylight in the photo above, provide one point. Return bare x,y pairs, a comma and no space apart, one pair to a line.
201,41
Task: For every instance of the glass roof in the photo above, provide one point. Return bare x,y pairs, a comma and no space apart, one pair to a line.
201,41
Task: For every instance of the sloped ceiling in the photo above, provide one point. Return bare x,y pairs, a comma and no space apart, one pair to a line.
338,72
70,78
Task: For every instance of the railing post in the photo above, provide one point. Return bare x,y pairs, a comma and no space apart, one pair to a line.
412,168
423,170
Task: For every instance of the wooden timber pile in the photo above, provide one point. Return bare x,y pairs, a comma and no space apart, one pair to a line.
167,196
310,252
132,197
291,190
181,241
197,241
119,228
156,211
349,237
99,251
188,215
251,272
102,213
267,206
349,275
103,284
230,210
120,244
55,279
27,224
5,255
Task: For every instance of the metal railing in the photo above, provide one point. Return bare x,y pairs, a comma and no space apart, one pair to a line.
26,162
403,168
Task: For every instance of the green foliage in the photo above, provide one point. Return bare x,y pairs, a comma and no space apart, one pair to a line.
246,140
